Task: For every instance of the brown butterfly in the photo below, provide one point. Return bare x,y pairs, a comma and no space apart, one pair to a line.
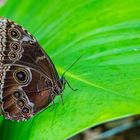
28,78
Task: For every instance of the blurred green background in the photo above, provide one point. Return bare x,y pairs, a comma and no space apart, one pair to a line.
107,35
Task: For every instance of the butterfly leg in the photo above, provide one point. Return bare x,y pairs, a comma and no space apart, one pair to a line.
61,96
0,107
53,103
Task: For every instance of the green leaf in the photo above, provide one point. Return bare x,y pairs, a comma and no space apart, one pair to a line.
107,35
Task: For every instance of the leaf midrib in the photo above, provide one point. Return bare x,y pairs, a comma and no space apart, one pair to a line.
85,81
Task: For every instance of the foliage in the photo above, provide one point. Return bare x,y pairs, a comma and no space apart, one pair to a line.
107,35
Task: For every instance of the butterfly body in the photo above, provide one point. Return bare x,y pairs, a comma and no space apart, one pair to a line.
28,79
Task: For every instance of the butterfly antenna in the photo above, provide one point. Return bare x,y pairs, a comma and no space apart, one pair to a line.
71,66
70,86
68,70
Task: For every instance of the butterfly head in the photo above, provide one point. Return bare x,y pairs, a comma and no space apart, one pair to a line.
63,83
60,86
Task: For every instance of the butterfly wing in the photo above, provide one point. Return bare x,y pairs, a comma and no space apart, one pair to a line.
28,74
29,50
22,93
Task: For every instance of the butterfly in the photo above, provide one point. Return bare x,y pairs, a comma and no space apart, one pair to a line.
29,81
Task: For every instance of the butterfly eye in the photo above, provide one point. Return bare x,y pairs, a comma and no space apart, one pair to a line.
17,94
20,103
25,110
14,33
15,46
21,76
